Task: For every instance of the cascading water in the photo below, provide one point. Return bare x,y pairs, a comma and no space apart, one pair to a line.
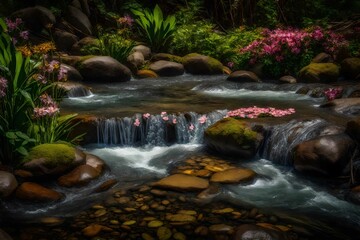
281,139
156,130
79,91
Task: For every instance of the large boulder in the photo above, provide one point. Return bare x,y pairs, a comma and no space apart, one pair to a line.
84,42
146,51
348,106
234,175
319,73
64,40
322,58
80,176
52,159
8,184
182,182
233,137
243,76
104,69
167,68
82,5
324,155
200,64
34,192
79,20
72,74
350,68
36,18
136,59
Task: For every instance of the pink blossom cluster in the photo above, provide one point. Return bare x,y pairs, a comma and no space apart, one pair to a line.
281,42
255,112
49,107
53,67
126,20
333,93
14,27
3,87
202,119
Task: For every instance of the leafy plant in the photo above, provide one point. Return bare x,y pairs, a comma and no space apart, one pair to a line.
157,30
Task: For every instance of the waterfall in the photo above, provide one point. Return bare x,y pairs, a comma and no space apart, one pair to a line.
281,139
79,91
156,130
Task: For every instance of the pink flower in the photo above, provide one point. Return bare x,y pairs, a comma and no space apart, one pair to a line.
62,75
230,64
165,118
202,119
333,93
3,87
191,127
41,78
137,122
45,111
174,121
163,114
46,100
24,35
146,115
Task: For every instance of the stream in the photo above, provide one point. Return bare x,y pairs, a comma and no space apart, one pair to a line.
138,154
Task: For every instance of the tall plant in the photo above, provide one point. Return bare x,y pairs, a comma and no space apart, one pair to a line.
158,30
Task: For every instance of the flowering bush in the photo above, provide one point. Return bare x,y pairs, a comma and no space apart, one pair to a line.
286,51
333,93
256,112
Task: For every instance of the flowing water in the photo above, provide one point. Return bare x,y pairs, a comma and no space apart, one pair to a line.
142,151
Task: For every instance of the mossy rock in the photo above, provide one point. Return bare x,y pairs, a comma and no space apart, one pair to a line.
199,64
233,137
52,159
319,73
75,61
350,68
167,57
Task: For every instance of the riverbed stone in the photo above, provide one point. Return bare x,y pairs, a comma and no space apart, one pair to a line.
34,192
146,73
106,185
325,155
167,57
182,182
94,229
52,159
74,89
94,161
167,68
348,106
80,176
350,68
287,79
319,73
200,64
72,74
254,232
146,51
242,76
36,18
102,69
64,40
136,59
235,175
8,184
233,137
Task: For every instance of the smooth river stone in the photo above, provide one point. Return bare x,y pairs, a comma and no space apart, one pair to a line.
182,182
235,175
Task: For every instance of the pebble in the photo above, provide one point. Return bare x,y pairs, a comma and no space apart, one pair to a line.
158,192
187,212
146,236
100,212
155,224
163,233
129,223
179,236
180,218
222,211
202,231
221,228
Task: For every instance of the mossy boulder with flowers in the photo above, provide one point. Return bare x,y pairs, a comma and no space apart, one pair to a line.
319,73
52,159
233,137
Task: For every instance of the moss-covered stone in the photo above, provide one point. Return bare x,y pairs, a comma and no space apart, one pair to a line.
319,72
167,57
199,64
234,137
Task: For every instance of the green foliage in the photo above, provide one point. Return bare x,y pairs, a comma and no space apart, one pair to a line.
156,29
111,45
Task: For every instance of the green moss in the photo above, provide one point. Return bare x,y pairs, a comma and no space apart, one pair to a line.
54,154
320,72
232,129
212,65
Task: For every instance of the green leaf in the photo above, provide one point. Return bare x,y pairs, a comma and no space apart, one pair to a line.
27,97
11,135
22,151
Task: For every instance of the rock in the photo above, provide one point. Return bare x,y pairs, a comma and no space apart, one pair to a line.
34,192
106,185
92,230
179,236
64,40
104,69
182,182
350,68
85,124
180,218
155,224
146,74
353,129
163,233
36,18
319,73
4,235
72,75
136,59
254,232
52,221
95,162
52,159
348,106
287,79
74,89
82,5
80,176
322,58
86,41
210,193
8,184
232,137
235,175
199,64
79,20
325,155
167,57
146,51
243,76
23,173
221,228
167,68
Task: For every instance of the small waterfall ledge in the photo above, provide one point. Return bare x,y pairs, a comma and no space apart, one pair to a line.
156,130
